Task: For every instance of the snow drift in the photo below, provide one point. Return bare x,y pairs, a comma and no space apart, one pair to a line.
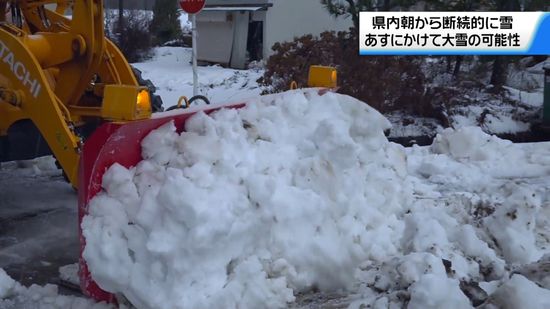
249,205
298,192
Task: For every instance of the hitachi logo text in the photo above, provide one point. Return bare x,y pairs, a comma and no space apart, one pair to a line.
19,70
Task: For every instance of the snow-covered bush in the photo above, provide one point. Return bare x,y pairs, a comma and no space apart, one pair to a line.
385,83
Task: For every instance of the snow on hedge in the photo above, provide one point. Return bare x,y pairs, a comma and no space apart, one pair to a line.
297,192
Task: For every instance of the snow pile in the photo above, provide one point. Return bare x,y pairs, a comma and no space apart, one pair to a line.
480,169
483,205
480,214
248,206
469,143
297,192
15,296
472,155
172,74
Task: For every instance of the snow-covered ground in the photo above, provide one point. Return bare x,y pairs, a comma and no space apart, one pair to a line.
468,100
297,201
404,125
171,72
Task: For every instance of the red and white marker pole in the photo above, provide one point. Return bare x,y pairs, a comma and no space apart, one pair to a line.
193,7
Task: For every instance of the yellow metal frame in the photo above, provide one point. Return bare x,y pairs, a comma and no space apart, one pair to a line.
49,72
181,100
121,102
322,76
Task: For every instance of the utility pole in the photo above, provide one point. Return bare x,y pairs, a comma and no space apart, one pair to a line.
194,40
193,7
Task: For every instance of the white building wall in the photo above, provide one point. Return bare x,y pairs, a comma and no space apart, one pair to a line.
215,37
288,19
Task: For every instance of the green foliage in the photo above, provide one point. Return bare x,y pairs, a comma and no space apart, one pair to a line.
165,25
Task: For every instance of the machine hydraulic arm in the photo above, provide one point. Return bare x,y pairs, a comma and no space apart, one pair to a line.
63,76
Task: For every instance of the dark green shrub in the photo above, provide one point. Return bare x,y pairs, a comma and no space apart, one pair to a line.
165,26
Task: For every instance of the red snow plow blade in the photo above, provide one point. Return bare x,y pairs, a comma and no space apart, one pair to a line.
115,143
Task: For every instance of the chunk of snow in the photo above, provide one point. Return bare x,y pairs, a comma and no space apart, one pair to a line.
519,292
468,143
435,292
7,284
69,273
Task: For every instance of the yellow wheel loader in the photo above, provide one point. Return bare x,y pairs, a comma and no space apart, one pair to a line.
67,90
59,79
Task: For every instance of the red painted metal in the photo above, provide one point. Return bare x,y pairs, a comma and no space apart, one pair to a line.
192,6
114,143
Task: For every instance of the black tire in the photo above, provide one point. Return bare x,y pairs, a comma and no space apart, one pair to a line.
3,150
156,101
199,97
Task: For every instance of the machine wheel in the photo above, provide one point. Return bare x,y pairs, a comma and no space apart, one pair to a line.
3,150
156,101
63,172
